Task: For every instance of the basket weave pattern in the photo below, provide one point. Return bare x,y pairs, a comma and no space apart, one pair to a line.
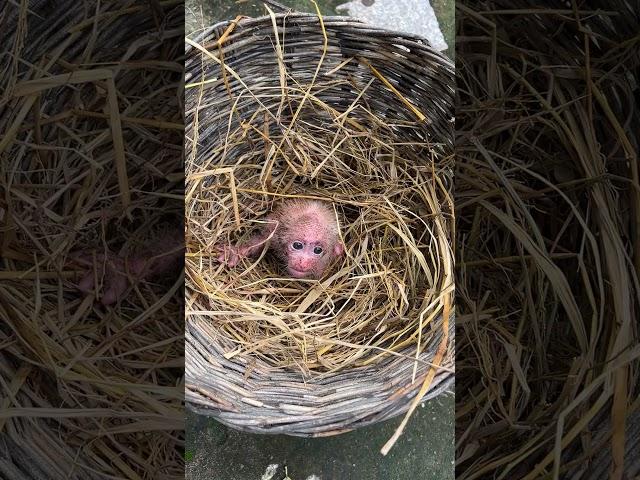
246,392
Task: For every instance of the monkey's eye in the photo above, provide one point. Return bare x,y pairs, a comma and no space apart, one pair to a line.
317,250
297,245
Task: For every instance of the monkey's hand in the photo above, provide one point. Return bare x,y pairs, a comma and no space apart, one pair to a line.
108,275
230,255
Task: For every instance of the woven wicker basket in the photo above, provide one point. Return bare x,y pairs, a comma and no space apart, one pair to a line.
246,393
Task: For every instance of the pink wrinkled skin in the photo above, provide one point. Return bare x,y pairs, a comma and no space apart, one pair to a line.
112,273
303,233
115,274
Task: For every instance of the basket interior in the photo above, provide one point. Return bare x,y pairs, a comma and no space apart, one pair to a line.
341,113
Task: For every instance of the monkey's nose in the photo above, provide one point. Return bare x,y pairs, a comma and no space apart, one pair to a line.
304,265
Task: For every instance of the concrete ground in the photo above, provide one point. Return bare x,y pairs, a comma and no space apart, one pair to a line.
424,452
426,449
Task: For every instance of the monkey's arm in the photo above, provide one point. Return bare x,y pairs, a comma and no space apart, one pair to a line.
231,255
115,273
171,256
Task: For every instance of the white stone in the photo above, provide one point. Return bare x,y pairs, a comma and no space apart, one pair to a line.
410,16
270,471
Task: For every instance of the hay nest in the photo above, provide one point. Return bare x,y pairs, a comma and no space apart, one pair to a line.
91,123
292,106
547,203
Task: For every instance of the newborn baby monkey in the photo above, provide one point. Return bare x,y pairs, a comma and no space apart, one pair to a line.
303,233
115,273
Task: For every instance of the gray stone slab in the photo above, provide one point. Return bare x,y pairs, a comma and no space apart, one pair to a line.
424,452
411,16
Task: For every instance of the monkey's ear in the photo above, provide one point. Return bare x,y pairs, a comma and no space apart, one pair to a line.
338,249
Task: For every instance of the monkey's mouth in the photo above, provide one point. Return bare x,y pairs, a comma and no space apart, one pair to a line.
298,273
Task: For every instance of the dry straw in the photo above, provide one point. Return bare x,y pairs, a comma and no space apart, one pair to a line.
547,202
298,106
90,125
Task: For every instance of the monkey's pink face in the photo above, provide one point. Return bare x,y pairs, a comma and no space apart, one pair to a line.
308,259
